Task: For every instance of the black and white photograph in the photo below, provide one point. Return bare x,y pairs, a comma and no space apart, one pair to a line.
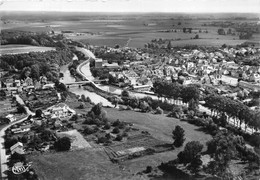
130,89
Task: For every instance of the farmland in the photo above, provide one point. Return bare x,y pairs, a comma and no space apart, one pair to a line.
134,29
19,49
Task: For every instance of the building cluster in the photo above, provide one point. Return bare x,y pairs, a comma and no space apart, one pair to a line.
53,118
12,85
203,66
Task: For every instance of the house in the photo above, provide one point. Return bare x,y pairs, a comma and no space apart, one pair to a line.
17,148
254,77
142,88
110,66
43,80
11,117
61,110
28,82
21,129
98,63
9,82
2,72
17,83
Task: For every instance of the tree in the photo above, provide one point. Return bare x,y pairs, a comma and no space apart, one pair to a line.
193,105
46,135
25,72
169,45
178,135
196,36
191,151
125,93
38,113
97,109
221,31
60,86
222,148
190,92
144,106
20,109
62,144
35,71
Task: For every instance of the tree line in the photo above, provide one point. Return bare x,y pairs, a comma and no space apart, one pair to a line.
36,63
235,109
217,104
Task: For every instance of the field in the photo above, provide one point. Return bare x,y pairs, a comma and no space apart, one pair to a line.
93,163
133,30
78,141
19,49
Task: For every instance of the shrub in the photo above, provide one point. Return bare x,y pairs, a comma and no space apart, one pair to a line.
88,130
116,123
177,112
81,106
148,169
116,130
125,134
158,110
107,126
62,144
119,137
74,117
88,120
102,139
211,127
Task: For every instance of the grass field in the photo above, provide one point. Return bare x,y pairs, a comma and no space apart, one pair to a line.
19,49
95,164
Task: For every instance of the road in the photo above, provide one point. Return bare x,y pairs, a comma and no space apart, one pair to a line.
3,155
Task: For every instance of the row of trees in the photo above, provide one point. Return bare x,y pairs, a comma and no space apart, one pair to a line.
176,91
235,109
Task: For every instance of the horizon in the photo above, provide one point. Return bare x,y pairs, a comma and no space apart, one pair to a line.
133,6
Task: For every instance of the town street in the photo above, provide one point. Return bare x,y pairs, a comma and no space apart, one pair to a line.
3,155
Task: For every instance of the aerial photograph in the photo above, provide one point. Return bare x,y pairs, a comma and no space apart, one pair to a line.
130,89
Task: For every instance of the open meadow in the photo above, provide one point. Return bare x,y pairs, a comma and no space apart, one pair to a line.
93,163
20,49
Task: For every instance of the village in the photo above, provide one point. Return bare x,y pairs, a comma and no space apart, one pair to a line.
212,68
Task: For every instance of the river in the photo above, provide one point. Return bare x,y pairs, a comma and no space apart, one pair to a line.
79,90
85,70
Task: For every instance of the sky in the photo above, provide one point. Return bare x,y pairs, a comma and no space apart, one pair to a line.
192,6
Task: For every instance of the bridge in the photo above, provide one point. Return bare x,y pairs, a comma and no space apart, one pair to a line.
85,82
77,83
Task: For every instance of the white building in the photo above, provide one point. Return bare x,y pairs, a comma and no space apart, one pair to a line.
17,148
60,110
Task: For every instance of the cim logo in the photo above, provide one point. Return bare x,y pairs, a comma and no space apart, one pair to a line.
19,168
